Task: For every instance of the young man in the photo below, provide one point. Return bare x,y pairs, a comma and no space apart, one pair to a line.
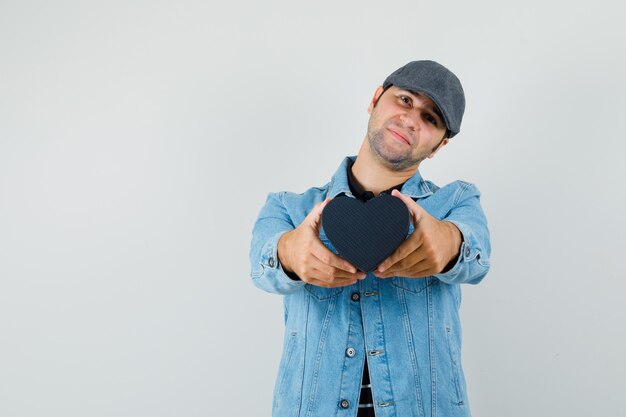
385,343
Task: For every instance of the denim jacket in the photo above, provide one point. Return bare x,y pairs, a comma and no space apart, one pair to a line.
409,328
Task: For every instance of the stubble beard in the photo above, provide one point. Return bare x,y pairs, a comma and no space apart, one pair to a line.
394,161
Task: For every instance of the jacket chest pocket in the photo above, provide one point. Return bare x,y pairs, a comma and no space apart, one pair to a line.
321,293
413,285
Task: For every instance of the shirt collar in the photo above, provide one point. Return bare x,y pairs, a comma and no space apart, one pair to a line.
360,193
414,187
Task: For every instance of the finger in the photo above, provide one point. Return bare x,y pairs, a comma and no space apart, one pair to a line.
314,217
413,269
326,274
421,270
415,260
321,252
415,210
324,284
330,272
410,245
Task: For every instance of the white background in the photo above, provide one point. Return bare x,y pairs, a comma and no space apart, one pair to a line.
138,141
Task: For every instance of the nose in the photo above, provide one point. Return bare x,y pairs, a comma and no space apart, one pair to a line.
409,121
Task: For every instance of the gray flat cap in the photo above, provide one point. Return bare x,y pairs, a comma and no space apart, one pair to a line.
438,83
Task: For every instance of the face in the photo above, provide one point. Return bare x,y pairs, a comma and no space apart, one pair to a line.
404,128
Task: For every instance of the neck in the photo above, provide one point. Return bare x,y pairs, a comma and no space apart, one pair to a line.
372,175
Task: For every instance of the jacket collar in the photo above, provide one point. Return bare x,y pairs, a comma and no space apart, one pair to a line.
414,187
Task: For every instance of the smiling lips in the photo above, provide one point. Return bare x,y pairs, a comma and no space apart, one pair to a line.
401,137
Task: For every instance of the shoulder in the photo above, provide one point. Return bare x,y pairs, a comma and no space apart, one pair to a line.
293,205
460,189
455,194
309,197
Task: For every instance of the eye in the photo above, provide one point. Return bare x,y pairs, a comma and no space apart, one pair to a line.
431,119
406,100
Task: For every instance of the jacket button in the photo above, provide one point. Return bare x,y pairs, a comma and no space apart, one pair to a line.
467,251
344,404
350,352
355,296
270,262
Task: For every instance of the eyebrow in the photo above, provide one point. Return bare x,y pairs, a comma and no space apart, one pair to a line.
433,108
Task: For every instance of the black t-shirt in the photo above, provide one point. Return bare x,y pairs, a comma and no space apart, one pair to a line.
366,403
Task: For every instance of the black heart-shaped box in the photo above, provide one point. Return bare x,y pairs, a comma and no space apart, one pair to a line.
366,233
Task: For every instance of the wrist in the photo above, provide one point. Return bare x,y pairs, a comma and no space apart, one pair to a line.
453,237
455,240
281,246
281,252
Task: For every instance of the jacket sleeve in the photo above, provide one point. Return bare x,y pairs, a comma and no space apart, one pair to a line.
472,263
266,272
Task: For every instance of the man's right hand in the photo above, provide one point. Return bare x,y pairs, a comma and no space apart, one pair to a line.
301,252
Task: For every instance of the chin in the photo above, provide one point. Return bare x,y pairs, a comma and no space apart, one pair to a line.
396,162
391,153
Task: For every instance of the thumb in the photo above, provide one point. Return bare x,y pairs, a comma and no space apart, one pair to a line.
315,216
415,210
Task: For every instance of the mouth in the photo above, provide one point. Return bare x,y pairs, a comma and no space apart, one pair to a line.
399,136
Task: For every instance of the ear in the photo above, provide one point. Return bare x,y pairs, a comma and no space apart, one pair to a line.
441,145
377,94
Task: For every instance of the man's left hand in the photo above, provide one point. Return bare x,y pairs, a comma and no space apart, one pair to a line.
427,251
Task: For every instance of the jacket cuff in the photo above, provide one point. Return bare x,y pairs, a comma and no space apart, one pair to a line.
468,252
271,269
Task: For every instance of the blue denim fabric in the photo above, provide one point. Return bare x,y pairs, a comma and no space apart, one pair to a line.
408,327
